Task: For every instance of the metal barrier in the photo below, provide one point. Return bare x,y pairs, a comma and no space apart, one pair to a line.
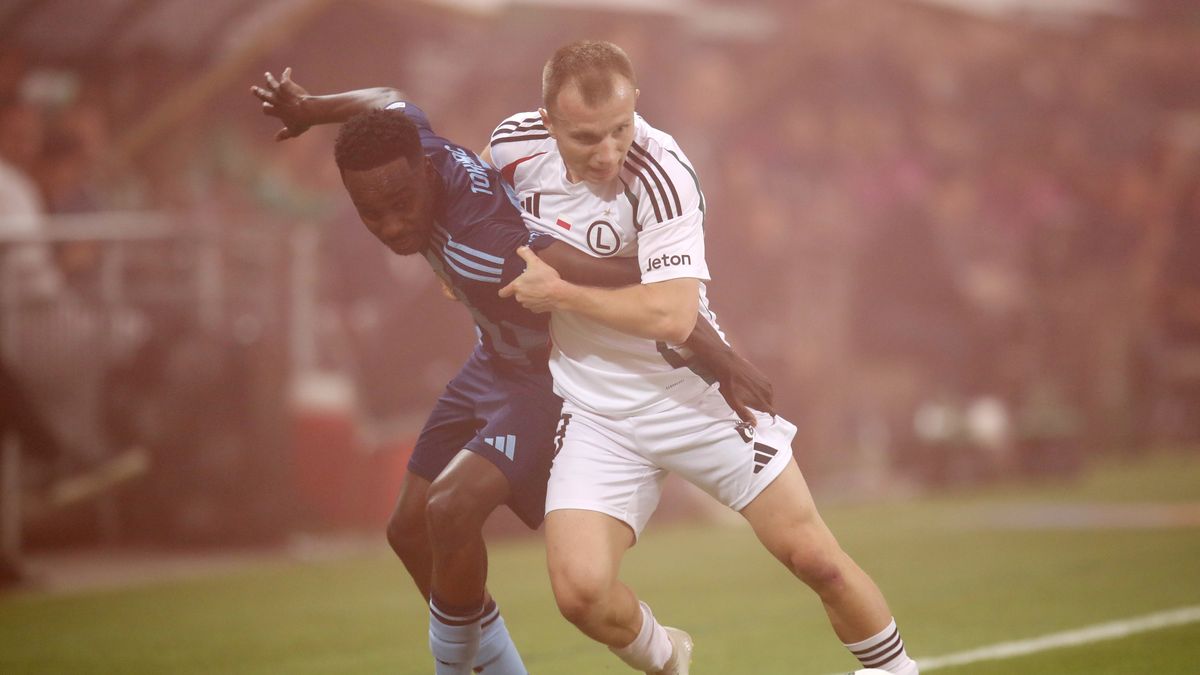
160,329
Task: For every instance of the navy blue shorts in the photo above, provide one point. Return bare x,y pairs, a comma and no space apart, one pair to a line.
504,413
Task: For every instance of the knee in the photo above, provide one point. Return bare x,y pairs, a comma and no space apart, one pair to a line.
406,532
454,514
821,569
579,595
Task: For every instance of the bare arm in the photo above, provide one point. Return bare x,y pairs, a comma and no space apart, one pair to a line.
299,110
744,387
580,268
665,310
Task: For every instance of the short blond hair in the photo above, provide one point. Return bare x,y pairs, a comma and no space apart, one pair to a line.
591,65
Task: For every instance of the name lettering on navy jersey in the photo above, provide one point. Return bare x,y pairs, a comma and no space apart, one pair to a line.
666,260
480,184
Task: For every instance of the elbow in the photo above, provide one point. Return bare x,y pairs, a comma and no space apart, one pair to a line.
676,327
385,96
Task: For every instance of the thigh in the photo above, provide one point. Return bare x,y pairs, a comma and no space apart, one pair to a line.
785,518
705,443
596,470
584,548
470,488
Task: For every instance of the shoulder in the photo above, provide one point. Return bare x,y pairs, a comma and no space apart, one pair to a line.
519,136
412,112
658,172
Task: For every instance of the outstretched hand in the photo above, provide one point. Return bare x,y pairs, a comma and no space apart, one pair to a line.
283,99
535,287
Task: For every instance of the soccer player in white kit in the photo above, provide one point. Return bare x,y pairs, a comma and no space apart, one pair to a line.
593,173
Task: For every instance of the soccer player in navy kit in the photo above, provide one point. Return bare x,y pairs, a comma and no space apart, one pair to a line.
490,438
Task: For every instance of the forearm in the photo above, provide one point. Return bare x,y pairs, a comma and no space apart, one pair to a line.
706,343
337,108
663,311
580,268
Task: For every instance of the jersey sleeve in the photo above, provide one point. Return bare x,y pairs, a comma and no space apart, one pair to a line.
673,250
670,213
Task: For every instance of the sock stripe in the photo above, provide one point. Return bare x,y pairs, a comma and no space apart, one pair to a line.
490,617
872,663
869,652
452,620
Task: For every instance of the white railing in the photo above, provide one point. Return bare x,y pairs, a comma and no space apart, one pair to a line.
79,293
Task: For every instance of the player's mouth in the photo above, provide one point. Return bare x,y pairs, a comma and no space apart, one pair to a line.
603,174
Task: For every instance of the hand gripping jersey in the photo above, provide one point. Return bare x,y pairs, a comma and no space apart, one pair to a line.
654,210
477,231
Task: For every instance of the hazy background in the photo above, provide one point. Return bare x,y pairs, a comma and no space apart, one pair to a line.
963,238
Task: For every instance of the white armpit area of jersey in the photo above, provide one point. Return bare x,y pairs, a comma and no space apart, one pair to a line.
673,249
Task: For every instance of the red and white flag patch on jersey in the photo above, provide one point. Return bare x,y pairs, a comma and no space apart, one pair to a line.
563,224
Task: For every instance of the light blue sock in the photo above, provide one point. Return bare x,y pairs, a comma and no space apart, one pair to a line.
454,640
497,654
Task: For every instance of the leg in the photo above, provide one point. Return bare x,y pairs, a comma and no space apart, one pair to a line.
459,502
786,521
408,534
584,551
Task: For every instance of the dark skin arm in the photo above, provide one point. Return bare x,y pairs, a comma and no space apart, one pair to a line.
298,110
743,386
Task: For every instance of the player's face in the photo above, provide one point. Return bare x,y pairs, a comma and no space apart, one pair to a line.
395,202
593,140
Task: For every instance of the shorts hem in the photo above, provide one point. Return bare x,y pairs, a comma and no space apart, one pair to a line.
596,508
773,470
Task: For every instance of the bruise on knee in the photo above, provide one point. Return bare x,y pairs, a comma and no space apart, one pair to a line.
818,571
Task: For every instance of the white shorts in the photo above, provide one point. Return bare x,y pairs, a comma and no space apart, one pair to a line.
617,465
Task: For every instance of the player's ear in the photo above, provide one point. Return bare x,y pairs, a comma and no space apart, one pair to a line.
545,114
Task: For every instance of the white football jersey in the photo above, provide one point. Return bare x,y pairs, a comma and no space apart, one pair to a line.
653,210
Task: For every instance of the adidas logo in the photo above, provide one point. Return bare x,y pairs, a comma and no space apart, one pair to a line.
506,444
762,456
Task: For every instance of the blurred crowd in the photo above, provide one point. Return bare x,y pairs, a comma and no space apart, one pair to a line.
963,246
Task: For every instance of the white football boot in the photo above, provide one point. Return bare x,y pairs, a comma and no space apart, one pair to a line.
681,653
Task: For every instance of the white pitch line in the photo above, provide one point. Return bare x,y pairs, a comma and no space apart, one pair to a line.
1070,638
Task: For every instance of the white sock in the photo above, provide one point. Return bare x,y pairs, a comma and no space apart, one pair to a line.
884,650
454,640
651,649
497,654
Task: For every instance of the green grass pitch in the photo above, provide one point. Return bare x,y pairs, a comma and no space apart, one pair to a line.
956,576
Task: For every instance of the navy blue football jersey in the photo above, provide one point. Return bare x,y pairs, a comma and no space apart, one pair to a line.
477,231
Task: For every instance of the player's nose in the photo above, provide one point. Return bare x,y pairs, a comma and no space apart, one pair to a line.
610,154
392,226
